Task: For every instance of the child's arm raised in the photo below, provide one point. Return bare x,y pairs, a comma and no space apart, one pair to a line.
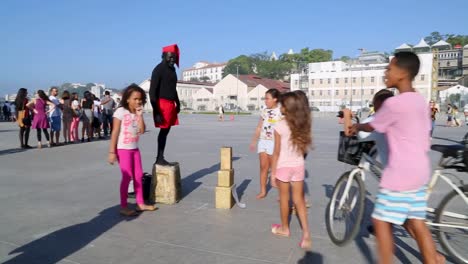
274,162
256,135
112,157
141,121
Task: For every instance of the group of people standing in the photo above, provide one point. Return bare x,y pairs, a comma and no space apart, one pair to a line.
63,114
453,119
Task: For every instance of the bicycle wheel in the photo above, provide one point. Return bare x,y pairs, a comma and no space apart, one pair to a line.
343,222
453,210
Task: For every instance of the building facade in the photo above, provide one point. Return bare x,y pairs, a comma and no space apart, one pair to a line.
334,84
204,71
185,90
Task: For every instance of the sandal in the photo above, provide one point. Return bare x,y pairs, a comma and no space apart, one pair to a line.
128,212
146,208
275,230
305,244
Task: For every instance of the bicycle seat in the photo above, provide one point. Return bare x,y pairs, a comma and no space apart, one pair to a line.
449,150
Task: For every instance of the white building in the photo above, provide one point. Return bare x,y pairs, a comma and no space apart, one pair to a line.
212,72
330,85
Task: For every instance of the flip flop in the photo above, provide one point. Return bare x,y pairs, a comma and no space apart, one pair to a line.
152,208
128,212
305,244
275,230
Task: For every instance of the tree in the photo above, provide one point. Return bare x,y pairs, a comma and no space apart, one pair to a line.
344,58
457,39
433,38
242,63
194,79
204,79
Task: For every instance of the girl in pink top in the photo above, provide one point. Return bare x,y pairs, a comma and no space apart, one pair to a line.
292,140
128,125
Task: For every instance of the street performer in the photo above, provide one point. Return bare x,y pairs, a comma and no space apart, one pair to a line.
163,97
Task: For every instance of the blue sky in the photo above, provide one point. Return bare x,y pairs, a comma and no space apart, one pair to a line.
46,42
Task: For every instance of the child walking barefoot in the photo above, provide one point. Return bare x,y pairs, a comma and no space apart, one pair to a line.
128,125
264,134
292,140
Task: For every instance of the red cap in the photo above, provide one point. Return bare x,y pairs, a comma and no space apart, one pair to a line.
173,49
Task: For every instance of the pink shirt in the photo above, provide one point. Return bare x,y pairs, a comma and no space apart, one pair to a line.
289,156
405,120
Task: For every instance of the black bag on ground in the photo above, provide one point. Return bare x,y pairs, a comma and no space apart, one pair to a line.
146,182
350,149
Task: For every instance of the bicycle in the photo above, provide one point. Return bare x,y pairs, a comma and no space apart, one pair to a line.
347,202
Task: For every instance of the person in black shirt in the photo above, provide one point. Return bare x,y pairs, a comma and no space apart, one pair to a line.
164,99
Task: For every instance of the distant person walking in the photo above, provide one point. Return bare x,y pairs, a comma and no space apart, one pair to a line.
40,121
24,117
449,115
434,110
221,113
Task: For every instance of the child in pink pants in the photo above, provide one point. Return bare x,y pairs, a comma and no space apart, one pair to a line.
128,124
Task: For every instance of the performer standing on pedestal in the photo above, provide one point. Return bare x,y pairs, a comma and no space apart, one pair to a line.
164,98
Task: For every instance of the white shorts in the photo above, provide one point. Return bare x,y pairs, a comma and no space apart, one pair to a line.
265,145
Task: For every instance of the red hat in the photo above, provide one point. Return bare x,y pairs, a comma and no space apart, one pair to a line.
173,49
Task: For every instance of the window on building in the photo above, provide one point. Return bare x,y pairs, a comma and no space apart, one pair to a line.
354,91
345,92
253,98
448,63
320,92
312,81
329,81
321,81
372,79
346,80
337,80
312,93
337,92
362,79
354,79
371,91
422,77
206,99
199,100
329,92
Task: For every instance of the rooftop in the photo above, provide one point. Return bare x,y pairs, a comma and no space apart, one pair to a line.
254,80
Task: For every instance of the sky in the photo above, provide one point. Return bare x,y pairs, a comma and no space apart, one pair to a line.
118,42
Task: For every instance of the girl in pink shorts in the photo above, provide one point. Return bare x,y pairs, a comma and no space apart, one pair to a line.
292,140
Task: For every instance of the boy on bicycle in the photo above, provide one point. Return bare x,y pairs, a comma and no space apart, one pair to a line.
404,119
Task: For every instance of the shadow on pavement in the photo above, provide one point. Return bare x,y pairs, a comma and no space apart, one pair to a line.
242,187
190,183
62,243
11,151
311,257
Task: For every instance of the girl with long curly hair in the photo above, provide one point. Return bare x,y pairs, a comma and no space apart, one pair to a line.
292,140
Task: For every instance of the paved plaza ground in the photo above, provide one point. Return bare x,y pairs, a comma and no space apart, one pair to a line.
60,205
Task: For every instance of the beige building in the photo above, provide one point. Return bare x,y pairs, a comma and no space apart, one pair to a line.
185,91
246,92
